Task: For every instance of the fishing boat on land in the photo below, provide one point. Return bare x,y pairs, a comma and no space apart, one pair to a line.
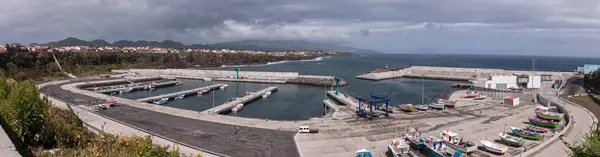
542,122
451,139
536,128
407,107
436,106
179,97
223,86
266,95
161,101
447,103
363,153
511,140
471,94
494,147
480,97
527,134
237,107
543,108
549,115
422,107
400,148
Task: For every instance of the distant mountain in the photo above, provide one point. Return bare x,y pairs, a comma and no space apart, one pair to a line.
256,45
283,45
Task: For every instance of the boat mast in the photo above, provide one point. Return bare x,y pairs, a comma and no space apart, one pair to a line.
422,91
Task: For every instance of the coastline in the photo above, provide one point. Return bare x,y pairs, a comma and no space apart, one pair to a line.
320,58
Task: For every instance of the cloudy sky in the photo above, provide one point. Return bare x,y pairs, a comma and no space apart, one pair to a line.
537,27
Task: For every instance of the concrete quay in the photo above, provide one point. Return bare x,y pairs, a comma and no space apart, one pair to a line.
138,87
109,82
243,100
185,92
452,73
245,76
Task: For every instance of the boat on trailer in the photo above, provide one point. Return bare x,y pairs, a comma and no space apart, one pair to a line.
542,122
161,101
511,140
494,147
527,134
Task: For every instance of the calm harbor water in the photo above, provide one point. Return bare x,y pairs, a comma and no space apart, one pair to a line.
301,102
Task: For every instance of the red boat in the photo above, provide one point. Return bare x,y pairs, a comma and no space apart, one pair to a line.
536,128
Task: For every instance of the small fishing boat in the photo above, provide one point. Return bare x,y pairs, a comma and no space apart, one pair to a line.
363,153
180,97
511,140
178,83
447,103
471,94
237,107
436,106
494,147
161,101
480,97
542,122
128,90
203,91
536,128
422,107
399,148
266,95
451,139
407,107
549,115
543,108
223,86
527,134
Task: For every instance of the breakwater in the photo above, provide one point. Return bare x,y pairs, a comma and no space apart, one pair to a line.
243,76
453,73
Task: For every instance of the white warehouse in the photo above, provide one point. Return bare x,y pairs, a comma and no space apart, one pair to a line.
514,82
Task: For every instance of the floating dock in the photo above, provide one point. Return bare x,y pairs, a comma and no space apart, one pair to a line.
243,100
185,92
160,84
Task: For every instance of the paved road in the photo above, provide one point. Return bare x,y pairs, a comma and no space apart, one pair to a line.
207,135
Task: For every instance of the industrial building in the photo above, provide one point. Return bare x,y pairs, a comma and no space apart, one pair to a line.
513,82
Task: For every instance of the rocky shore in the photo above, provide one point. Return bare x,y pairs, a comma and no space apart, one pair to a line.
316,80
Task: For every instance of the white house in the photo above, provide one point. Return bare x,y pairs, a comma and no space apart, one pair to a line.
513,82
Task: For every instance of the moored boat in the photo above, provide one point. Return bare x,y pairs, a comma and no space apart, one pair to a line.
203,91
399,147
511,140
542,122
536,128
436,106
407,107
180,97
161,101
527,134
549,115
237,107
128,90
422,107
223,86
451,139
266,95
494,147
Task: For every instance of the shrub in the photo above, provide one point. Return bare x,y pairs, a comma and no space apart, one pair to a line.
590,147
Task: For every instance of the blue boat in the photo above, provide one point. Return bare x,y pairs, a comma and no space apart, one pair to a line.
180,97
161,101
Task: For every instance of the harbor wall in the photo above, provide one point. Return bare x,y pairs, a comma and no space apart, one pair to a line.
453,73
213,73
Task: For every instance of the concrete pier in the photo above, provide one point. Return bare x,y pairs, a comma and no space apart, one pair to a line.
172,95
160,84
344,99
243,100
120,81
452,73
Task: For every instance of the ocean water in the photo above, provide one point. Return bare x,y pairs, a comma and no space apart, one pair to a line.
301,102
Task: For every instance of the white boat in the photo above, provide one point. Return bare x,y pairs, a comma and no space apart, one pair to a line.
480,97
399,147
237,107
223,86
180,97
203,91
494,147
128,90
161,101
451,139
436,106
266,95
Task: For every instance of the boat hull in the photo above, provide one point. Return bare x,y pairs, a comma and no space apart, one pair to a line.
527,135
508,141
543,123
493,147
461,148
549,117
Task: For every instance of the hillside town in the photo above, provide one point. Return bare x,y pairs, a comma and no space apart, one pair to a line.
6,48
